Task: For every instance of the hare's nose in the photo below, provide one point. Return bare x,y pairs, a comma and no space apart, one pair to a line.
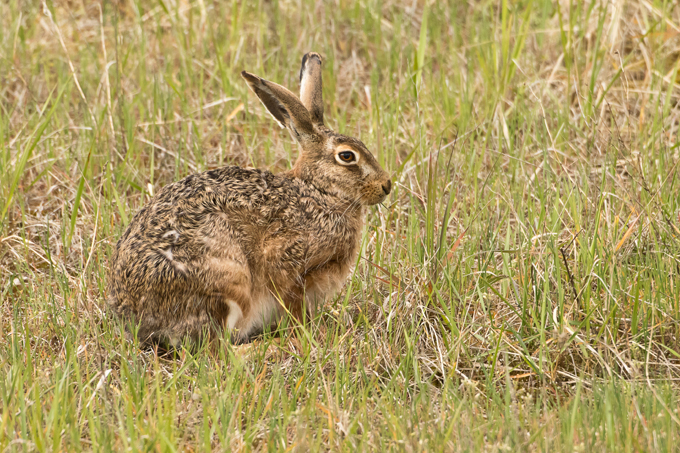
387,187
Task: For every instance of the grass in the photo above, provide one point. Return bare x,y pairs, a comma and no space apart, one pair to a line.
518,291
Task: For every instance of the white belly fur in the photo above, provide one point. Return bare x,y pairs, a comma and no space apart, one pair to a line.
265,310
235,315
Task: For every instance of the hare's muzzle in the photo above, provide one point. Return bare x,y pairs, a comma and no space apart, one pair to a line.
387,187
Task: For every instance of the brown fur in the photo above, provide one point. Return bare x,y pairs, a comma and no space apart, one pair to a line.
236,248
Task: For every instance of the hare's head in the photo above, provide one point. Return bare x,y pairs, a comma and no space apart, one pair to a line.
332,162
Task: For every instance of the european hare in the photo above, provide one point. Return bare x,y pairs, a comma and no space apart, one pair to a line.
235,247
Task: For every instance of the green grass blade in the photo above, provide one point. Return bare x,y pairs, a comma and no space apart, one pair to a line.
28,151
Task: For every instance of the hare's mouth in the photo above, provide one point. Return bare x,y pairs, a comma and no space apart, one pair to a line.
377,192
374,198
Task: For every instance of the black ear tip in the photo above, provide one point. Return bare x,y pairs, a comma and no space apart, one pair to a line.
311,55
250,78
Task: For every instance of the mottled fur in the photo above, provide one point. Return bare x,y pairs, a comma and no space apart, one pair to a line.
236,248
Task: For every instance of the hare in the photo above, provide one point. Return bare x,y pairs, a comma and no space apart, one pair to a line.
236,248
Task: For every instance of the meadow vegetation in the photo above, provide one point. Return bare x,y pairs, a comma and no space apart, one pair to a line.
519,290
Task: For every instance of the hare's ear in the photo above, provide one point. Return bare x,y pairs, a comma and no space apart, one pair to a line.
311,86
284,106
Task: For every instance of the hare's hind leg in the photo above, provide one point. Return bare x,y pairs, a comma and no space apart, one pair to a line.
225,271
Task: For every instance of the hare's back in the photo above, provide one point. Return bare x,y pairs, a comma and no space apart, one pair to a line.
217,214
243,194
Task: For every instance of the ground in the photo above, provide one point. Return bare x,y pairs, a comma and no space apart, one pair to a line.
519,290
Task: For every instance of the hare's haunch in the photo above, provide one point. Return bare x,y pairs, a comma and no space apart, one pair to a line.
235,248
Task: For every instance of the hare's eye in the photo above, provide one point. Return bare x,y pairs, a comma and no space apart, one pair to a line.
347,157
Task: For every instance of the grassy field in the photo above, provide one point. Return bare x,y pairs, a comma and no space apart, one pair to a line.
518,291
